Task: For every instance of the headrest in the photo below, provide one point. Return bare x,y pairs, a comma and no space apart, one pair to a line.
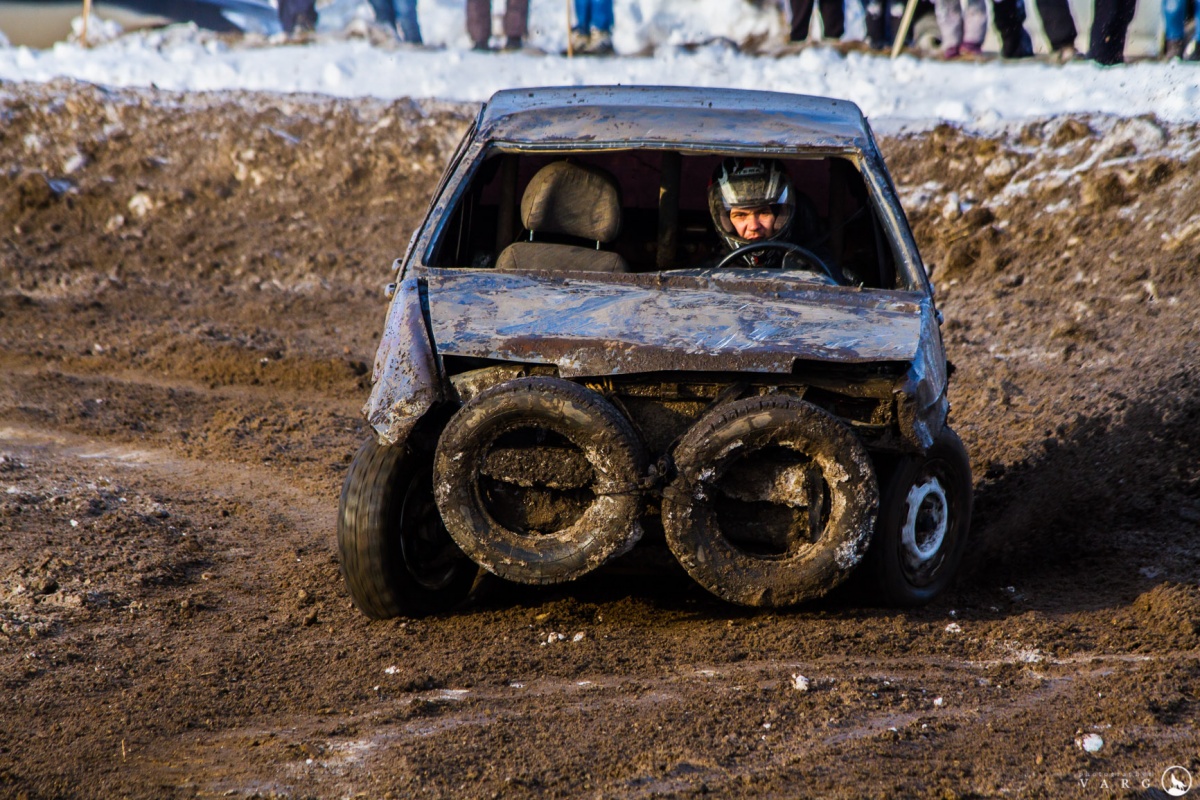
572,199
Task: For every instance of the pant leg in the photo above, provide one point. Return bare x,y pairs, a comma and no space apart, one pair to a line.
479,20
385,12
297,13
950,22
833,18
406,17
1058,22
876,23
602,15
801,19
1009,16
895,14
1109,26
516,18
583,15
1173,18
975,22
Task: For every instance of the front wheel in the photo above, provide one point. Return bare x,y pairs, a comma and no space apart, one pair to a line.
397,558
924,518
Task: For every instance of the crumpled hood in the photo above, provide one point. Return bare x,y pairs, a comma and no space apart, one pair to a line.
689,320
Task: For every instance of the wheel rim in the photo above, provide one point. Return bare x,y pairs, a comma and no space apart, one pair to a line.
926,526
430,555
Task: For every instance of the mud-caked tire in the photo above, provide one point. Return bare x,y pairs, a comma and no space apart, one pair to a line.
607,525
924,520
396,556
832,486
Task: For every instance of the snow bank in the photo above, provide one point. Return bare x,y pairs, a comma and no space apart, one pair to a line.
682,49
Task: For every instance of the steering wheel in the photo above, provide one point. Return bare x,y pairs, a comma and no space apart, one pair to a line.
805,255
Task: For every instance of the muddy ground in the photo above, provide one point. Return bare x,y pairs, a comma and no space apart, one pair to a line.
190,295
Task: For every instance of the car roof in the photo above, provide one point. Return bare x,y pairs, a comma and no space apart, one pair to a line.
664,115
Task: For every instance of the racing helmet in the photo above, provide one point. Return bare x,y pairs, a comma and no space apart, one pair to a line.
749,183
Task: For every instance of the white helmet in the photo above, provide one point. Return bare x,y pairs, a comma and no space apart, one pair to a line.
751,183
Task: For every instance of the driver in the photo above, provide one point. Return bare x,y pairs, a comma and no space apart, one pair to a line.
752,200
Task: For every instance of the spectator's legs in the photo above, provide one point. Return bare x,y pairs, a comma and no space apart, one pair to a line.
1174,12
297,14
876,22
406,16
1009,16
479,21
1109,26
801,19
602,15
1058,22
516,17
895,10
975,22
833,18
583,15
950,23
385,13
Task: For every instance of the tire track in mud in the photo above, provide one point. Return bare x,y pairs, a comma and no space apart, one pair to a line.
332,759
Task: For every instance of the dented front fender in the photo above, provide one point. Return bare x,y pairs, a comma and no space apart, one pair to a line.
407,380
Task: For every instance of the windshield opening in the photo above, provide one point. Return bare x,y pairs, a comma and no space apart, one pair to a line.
638,211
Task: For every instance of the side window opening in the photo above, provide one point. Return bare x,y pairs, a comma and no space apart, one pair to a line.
662,216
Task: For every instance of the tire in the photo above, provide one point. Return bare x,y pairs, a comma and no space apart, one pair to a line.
813,462
924,520
605,521
396,556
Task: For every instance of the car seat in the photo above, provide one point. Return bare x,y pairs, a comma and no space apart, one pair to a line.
572,202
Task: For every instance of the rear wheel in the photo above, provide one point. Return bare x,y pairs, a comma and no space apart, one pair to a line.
397,558
923,523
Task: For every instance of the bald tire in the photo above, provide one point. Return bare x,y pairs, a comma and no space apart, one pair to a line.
396,557
736,431
608,527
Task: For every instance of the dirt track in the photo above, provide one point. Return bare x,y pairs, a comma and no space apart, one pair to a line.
190,294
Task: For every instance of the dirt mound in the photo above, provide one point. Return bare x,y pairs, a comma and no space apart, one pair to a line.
189,299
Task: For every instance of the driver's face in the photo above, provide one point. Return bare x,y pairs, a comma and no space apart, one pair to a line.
753,223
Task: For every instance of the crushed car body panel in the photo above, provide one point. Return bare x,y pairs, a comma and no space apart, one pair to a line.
406,380
674,116
649,323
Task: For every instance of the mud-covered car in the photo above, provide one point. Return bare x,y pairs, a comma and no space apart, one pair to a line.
573,357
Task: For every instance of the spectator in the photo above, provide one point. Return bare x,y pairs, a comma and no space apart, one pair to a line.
882,21
1175,16
404,12
1109,26
479,23
592,34
962,29
833,19
298,16
1009,16
1060,28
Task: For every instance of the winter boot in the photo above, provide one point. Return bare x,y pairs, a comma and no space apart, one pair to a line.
1019,46
599,43
579,41
1172,48
1064,54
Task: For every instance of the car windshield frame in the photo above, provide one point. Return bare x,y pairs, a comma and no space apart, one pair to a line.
881,196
